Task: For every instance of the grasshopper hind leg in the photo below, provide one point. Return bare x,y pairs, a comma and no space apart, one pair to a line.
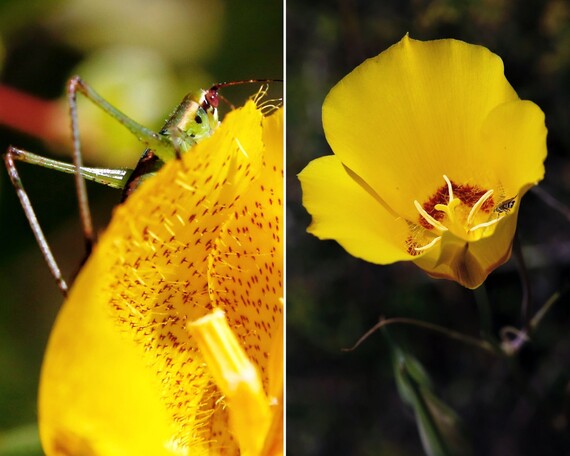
114,178
9,159
110,177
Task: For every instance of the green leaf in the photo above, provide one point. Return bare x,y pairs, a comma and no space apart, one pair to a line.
440,428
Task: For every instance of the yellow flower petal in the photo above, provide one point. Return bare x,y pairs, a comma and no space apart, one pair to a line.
245,272
436,135
150,274
93,379
469,263
416,111
514,145
251,243
344,211
274,440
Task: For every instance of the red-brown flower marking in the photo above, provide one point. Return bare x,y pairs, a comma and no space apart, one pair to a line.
467,194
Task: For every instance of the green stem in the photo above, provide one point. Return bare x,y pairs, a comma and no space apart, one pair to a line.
434,435
481,344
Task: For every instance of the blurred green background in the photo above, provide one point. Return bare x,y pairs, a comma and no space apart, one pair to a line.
347,403
143,56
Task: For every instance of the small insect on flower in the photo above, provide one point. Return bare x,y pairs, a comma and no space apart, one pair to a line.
505,206
193,120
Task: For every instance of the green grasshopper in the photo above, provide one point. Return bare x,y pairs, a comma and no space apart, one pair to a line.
194,119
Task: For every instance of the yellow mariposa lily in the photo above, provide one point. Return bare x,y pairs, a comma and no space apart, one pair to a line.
433,152
187,279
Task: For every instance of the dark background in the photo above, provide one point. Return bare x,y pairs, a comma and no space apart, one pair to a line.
144,56
347,403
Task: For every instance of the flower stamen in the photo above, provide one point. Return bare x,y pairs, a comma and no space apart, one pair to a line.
484,224
456,208
477,206
237,378
449,208
428,246
449,187
428,218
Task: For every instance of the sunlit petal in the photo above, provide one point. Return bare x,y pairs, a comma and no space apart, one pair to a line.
121,374
345,211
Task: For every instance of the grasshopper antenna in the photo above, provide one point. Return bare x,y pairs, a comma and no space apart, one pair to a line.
213,97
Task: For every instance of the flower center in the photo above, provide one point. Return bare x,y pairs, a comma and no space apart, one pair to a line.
464,210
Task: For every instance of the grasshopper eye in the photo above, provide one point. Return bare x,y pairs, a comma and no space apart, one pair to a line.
212,97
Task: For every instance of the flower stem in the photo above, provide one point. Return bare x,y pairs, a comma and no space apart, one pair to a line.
482,344
535,321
